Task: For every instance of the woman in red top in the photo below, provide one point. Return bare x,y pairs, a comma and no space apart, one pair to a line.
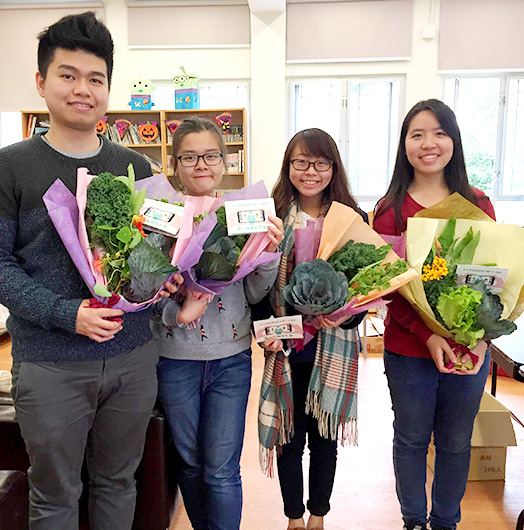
427,397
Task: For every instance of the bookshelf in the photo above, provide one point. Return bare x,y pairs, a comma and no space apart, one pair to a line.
158,150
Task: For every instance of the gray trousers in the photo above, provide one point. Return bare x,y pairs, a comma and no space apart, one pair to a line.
100,410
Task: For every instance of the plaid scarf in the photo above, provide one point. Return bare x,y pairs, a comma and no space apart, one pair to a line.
332,393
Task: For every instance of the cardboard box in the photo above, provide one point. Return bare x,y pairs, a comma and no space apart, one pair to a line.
375,344
372,340
492,434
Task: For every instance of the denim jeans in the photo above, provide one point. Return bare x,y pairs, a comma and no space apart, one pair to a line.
426,401
205,403
322,455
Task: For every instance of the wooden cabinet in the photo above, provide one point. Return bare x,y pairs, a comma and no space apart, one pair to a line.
158,148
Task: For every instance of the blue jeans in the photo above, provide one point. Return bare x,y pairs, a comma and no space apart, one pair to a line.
205,403
426,401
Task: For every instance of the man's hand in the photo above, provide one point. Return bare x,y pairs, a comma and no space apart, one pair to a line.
91,322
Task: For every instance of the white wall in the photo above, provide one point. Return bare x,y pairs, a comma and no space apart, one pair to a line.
262,64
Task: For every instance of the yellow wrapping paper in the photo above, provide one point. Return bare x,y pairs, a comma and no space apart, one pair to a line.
341,224
500,244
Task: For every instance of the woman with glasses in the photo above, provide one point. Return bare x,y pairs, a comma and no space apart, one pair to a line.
312,176
204,371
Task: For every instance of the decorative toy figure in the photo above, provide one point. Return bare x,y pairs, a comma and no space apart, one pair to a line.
148,131
187,94
141,90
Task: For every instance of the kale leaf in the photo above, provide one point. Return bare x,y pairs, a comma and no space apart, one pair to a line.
354,256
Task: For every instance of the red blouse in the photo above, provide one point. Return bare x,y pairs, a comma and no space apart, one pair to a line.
406,333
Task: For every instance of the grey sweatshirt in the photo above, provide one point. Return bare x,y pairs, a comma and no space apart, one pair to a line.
224,329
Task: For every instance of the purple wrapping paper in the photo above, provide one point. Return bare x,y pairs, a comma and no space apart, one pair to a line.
194,249
63,210
398,242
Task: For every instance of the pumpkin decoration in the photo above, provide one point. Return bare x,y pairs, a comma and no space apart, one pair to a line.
101,126
148,131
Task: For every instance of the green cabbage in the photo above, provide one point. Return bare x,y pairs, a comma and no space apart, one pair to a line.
315,288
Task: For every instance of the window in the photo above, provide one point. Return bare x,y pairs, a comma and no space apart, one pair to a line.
362,116
212,96
490,113
10,128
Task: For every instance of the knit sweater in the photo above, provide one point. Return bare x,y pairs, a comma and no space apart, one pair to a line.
39,282
224,329
406,333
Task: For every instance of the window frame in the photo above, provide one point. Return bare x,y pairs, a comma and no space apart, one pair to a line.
504,78
343,143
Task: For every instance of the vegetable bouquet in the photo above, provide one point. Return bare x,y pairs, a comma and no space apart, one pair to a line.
102,231
464,311
214,260
352,270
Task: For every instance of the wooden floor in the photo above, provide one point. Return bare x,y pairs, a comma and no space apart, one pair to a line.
364,494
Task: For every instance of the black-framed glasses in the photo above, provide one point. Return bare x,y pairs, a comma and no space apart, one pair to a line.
303,165
211,159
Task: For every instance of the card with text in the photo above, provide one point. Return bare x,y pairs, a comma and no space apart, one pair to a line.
289,327
493,277
162,217
248,216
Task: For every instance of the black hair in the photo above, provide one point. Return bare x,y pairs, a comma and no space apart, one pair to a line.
314,142
76,32
455,174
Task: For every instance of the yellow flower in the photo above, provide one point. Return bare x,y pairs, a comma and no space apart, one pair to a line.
437,270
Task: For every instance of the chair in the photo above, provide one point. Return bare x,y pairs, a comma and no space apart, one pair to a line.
13,500
156,476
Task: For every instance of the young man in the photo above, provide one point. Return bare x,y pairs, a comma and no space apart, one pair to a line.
82,385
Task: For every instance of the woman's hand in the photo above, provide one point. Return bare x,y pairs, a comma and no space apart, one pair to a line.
172,286
330,323
439,349
194,306
275,233
480,351
272,345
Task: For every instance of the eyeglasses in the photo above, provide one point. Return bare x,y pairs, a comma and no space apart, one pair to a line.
304,165
211,159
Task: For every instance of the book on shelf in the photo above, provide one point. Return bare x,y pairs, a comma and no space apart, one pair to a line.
241,161
156,165
130,136
232,162
28,128
222,192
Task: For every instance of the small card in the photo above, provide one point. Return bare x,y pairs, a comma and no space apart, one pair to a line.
248,216
493,277
162,217
282,328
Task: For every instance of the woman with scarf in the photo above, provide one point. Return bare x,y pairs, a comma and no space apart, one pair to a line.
312,392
